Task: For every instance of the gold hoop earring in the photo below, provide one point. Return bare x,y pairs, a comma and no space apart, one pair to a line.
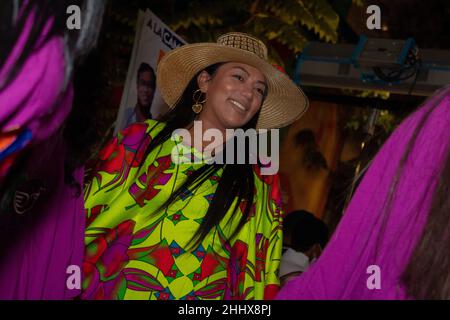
197,107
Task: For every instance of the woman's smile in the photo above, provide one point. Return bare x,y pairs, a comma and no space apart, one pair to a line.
233,95
239,106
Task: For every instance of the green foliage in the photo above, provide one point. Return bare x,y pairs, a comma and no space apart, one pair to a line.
384,95
358,3
384,124
386,121
289,23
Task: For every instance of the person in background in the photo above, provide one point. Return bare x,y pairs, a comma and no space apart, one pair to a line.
146,85
305,236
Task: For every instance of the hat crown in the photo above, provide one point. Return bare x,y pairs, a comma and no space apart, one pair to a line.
245,42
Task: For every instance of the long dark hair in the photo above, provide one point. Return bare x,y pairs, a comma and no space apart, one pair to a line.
236,182
427,275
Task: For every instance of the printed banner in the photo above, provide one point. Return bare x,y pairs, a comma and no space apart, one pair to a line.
141,99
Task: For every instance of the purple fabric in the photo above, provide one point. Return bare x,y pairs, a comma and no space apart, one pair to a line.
34,99
44,241
341,271
39,245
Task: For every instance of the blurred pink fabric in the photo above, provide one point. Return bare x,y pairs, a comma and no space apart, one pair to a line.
341,272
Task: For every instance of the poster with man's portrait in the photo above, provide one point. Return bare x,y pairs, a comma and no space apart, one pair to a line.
141,99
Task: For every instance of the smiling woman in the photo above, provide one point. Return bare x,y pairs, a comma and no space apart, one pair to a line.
232,97
162,230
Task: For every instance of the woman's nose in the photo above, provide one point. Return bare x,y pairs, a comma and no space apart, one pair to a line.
247,91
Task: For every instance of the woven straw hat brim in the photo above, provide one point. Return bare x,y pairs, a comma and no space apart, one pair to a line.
284,103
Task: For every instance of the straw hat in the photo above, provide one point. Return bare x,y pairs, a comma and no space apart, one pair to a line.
285,101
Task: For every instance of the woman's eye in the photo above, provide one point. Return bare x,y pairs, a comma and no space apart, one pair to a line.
240,78
260,91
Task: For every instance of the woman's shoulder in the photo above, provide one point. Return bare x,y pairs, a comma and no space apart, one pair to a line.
139,129
263,175
127,147
267,186
154,125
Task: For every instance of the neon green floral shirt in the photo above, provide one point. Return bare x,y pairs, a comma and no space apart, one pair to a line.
135,251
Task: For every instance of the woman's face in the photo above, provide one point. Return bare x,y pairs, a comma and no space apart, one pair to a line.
233,95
